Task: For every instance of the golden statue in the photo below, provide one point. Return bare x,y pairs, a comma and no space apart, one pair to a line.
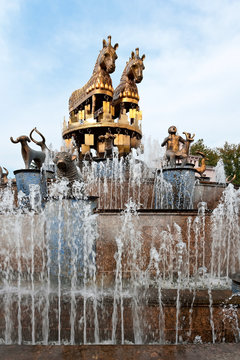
107,144
202,168
100,117
125,95
100,81
174,151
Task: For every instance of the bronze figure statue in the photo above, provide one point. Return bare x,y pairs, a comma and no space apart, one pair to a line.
3,176
100,81
174,151
108,140
126,93
28,154
66,167
202,168
189,138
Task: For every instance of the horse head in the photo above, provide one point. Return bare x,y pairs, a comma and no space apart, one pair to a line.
134,68
108,56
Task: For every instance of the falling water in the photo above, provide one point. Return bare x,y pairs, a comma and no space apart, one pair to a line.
50,262
225,234
220,173
116,181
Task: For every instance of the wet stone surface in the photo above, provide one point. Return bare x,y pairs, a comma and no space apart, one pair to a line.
129,352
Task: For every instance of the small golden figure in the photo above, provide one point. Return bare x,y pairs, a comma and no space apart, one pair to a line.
108,139
202,168
174,151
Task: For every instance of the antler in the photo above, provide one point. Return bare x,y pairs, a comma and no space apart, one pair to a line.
6,171
14,141
40,143
0,172
188,136
201,153
229,181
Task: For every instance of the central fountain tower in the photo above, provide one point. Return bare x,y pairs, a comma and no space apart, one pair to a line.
99,117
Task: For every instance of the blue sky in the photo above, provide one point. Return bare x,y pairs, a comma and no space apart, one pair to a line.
192,65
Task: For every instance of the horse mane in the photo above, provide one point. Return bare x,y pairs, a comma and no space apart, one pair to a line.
123,77
97,62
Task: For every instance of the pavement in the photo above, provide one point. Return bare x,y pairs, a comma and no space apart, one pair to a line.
129,352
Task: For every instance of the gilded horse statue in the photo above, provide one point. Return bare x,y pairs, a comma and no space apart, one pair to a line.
127,91
100,81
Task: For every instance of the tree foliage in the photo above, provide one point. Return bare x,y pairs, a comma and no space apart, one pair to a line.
211,154
229,153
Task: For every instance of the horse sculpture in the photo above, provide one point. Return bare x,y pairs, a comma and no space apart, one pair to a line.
100,81
127,91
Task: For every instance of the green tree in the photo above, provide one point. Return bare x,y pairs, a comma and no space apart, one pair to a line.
230,154
211,154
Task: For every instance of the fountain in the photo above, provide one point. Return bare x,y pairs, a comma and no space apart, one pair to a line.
149,262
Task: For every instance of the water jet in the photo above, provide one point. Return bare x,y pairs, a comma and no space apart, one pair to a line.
150,264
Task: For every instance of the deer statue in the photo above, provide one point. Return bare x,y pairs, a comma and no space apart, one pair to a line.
3,176
100,81
202,168
29,154
132,75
